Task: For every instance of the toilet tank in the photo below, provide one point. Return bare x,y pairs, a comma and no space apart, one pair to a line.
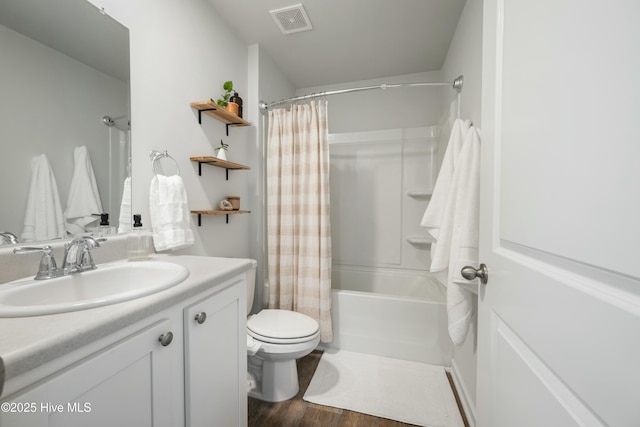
251,284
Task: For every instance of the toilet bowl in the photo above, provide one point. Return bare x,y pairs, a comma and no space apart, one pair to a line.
275,340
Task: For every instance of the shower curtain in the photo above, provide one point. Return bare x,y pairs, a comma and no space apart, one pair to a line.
298,226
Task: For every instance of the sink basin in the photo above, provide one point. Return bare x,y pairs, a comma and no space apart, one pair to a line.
106,285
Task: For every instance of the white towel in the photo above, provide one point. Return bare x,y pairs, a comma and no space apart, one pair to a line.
84,198
464,238
455,219
436,215
170,215
44,219
124,221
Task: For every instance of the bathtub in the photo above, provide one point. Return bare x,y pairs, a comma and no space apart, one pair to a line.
393,313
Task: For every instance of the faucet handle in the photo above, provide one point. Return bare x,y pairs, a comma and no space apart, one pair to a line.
85,260
8,237
48,268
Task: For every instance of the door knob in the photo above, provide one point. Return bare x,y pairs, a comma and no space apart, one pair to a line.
471,273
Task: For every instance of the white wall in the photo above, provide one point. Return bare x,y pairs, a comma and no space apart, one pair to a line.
51,104
183,52
465,57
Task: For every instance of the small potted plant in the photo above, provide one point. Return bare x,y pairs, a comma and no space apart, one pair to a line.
232,107
222,150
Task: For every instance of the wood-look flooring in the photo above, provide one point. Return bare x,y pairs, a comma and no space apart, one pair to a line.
298,413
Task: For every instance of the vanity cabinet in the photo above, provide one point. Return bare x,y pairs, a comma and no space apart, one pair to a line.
183,366
215,360
124,384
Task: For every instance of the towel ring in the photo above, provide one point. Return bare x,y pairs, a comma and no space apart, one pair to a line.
157,155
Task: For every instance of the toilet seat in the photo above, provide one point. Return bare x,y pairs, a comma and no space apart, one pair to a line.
282,327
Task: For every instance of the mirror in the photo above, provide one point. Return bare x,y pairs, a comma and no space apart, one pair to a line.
64,82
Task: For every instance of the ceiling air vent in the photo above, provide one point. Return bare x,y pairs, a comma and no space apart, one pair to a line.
291,19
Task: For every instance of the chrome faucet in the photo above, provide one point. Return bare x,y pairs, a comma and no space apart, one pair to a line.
77,255
77,258
7,237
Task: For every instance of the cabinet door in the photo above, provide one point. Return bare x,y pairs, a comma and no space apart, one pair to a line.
215,360
126,384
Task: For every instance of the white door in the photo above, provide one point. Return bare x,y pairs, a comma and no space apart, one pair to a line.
559,320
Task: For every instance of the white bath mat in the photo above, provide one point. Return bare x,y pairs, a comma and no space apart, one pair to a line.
410,392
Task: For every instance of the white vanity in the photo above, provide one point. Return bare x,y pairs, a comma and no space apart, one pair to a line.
172,358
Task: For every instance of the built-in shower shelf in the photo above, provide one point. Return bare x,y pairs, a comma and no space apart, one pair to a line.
217,212
420,240
420,194
217,112
214,161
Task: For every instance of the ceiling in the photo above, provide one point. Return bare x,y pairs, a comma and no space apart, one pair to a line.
351,40
73,27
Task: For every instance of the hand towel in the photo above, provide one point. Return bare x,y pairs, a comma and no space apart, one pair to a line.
44,219
124,221
84,198
170,215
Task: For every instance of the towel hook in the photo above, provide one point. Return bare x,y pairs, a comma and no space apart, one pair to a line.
157,155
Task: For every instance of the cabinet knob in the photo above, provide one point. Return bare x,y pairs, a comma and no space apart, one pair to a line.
165,339
201,317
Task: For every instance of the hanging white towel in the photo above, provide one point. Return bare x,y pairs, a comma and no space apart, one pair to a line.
437,216
170,215
455,220
43,219
124,220
464,237
84,198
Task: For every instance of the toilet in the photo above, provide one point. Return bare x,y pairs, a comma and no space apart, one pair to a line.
275,340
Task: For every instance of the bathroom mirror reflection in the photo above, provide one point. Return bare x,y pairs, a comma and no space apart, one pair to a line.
64,81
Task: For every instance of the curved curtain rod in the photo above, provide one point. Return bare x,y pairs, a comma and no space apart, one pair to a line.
457,85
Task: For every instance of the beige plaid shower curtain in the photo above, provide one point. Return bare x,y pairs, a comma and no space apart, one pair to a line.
298,226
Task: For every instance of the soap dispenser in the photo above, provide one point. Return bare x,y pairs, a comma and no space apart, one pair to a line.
138,241
104,228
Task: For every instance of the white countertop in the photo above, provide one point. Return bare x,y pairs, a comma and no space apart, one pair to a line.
28,342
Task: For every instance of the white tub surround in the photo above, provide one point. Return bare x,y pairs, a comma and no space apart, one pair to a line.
385,302
121,359
392,313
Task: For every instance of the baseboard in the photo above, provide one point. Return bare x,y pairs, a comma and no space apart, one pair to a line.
463,393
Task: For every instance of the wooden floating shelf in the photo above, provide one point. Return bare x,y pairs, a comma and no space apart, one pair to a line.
214,110
214,161
216,212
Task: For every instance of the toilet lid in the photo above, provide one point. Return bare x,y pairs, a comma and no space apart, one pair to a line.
281,325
